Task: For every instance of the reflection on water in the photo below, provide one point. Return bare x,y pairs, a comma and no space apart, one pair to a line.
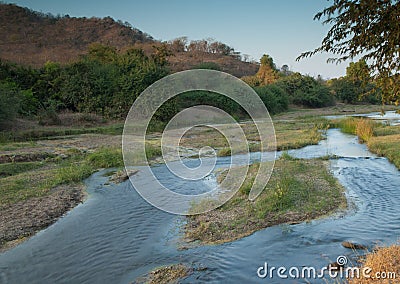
115,236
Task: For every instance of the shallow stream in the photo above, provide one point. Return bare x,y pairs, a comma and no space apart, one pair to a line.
115,236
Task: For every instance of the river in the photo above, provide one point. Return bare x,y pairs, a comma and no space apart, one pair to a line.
115,236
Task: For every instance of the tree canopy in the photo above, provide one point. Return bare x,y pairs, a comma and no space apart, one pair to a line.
369,29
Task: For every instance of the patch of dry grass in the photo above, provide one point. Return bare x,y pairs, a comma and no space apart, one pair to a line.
365,129
382,264
166,274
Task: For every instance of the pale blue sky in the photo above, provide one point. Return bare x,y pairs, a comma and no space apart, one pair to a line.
281,28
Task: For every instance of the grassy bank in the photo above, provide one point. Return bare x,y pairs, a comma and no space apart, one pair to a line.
23,181
298,190
40,181
383,140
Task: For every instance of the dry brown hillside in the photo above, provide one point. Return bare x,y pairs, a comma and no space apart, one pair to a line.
32,38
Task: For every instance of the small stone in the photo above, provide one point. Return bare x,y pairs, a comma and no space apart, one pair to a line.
351,245
334,266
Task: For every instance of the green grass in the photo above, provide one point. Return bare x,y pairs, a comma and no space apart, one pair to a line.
305,188
11,169
387,146
27,180
385,130
347,125
298,190
362,127
106,158
300,133
224,152
17,145
153,150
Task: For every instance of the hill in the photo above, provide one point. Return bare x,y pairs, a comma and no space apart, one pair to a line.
32,38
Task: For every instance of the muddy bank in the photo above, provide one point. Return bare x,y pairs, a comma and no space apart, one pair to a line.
23,219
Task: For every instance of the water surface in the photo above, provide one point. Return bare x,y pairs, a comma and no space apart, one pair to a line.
115,236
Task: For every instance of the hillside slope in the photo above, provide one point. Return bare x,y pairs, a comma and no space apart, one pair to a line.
33,38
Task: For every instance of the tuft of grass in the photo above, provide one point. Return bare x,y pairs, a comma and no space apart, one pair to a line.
153,151
347,125
73,173
224,152
365,129
286,156
106,158
362,127
165,274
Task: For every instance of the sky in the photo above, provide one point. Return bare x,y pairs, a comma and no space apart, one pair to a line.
281,28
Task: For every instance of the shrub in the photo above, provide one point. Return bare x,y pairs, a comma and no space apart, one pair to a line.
305,90
9,102
274,98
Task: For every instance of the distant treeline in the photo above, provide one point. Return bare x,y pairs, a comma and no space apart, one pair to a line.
106,82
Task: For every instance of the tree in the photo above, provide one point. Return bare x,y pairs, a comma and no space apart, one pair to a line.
9,102
358,71
306,91
285,70
356,85
267,72
178,44
102,53
366,28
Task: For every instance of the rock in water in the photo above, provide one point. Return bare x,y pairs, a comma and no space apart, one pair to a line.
351,245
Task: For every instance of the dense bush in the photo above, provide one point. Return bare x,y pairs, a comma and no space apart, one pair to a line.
9,102
14,101
274,98
103,82
193,98
305,90
351,92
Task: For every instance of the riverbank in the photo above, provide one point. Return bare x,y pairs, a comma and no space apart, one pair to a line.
42,180
44,171
298,191
381,139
